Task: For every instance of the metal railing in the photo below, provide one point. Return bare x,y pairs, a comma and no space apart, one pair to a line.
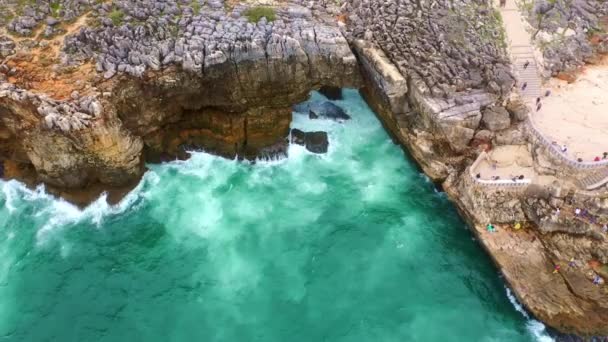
508,183
555,151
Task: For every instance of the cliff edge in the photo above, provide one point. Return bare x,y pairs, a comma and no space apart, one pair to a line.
90,90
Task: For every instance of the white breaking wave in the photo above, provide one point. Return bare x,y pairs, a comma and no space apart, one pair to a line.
56,212
536,328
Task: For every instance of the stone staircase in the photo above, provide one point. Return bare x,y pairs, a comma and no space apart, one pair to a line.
521,51
594,180
530,75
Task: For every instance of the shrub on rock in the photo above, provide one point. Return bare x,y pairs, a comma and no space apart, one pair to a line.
254,14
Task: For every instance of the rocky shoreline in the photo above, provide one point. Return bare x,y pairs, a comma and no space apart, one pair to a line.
447,137
218,83
90,92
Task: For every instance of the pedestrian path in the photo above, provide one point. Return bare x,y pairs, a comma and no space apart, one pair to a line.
595,180
521,52
530,84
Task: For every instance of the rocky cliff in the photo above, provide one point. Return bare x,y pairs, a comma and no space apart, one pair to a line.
568,33
554,261
90,90
93,89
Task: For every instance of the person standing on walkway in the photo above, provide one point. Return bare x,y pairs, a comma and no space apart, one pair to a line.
503,3
526,64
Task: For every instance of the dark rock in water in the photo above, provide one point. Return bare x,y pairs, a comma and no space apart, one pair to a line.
332,93
315,142
298,137
303,107
327,110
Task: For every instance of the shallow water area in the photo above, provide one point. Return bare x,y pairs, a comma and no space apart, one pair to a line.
354,245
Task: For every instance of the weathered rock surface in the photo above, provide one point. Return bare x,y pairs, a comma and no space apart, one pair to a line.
327,110
450,46
315,142
135,80
69,145
166,77
569,33
496,118
443,136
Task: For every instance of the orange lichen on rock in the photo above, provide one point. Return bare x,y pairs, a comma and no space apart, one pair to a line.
42,75
39,69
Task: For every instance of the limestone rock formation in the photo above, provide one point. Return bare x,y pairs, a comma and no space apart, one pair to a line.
569,33
496,118
315,142
445,128
127,81
90,89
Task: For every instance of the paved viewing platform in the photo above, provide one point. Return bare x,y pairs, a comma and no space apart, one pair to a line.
569,120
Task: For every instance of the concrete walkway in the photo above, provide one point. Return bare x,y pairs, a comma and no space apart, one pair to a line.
522,53
530,86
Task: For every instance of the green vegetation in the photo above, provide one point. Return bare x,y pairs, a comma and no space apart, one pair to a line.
55,8
116,16
254,14
500,29
196,7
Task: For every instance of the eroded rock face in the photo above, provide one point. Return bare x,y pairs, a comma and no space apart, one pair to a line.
327,110
159,86
464,38
569,33
496,118
445,136
315,142
69,149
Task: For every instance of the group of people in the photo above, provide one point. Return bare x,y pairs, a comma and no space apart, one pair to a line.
597,280
563,148
539,103
495,178
592,219
516,178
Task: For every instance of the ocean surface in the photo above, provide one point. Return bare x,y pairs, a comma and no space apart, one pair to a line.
354,245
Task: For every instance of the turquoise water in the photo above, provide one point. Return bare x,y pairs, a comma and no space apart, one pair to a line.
354,245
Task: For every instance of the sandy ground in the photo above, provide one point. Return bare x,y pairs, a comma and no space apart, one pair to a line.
577,114
507,162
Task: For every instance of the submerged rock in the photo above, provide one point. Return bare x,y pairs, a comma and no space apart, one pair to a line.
315,142
327,110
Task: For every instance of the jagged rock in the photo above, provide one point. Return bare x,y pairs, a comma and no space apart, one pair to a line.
496,118
316,142
7,46
458,136
512,136
569,34
327,110
298,137
463,56
518,109
484,135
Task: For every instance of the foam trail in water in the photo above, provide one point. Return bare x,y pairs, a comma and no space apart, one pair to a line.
58,213
536,328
